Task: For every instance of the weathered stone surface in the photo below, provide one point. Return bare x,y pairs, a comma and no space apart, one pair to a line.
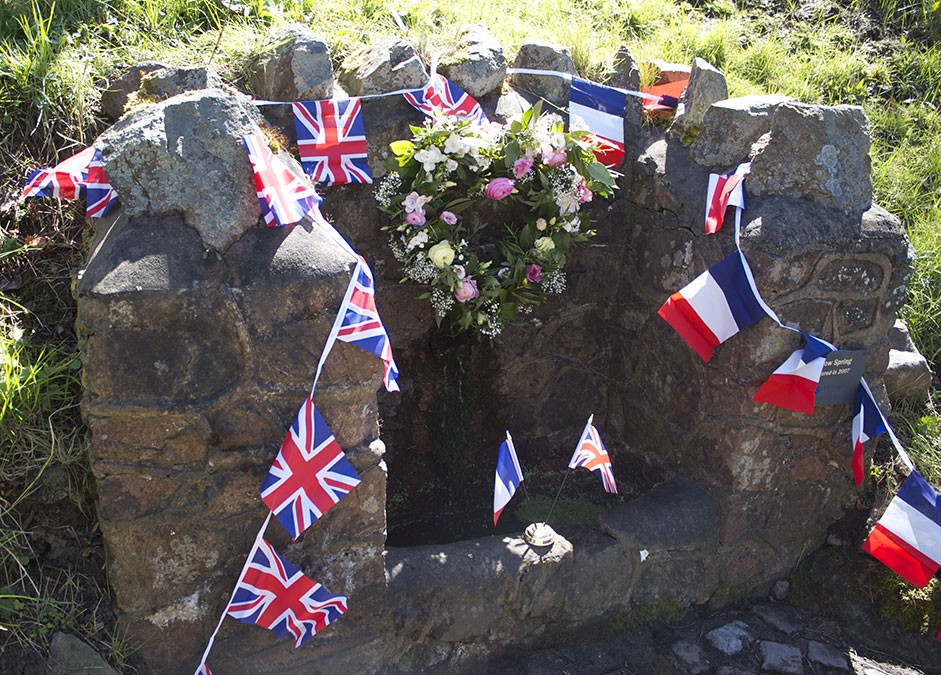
691,657
536,55
818,153
706,86
68,655
626,75
387,66
907,376
827,656
776,618
148,83
731,638
151,155
477,64
295,67
777,657
750,116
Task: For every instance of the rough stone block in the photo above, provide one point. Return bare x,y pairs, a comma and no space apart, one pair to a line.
387,66
535,55
296,67
477,64
750,116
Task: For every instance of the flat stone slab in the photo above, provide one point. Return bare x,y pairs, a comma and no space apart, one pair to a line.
826,655
731,638
777,657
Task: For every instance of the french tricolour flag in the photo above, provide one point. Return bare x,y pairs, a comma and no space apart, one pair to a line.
724,190
907,539
867,423
508,477
714,306
600,110
794,383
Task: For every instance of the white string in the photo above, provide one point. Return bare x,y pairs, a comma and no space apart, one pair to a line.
248,559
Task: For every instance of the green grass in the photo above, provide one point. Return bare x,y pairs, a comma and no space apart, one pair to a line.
56,56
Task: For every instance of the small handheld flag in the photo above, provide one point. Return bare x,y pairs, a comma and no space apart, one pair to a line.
601,111
331,140
274,594
867,424
81,175
508,477
907,539
794,383
591,454
714,306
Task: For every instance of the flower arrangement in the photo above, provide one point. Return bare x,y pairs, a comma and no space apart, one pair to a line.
485,215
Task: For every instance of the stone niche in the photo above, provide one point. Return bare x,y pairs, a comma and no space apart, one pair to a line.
201,331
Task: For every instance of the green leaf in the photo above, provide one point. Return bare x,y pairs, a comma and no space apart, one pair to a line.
600,173
400,148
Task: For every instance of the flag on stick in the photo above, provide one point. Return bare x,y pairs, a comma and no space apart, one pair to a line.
714,306
600,110
442,95
591,454
331,140
274,594
508,477
284,197
309,475
867,424
794,383
907,539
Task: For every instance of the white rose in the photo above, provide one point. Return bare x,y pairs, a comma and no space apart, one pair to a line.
441,254
544,244
541,224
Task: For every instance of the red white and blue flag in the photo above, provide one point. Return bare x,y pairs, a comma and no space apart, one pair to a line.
508,477
664,96
361,325
714,306
100,197
907,538
331,140
80,175
442,95
284,197
868,423
794,384
309,475
591,454
203,669
724,190
274,594
600,110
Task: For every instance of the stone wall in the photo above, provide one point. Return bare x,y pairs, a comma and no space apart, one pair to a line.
202,329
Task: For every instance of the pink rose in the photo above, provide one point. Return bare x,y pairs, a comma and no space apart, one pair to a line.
448,217
416,218
522,166
467,290
583,193
556,159
533,274
499,188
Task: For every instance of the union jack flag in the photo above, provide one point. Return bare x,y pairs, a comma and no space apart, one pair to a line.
274,594
203,669
361,325
80,175
284,197
331,140
309,475
591,454
440,94
100,197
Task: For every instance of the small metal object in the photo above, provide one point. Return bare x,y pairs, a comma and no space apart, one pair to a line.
539,534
